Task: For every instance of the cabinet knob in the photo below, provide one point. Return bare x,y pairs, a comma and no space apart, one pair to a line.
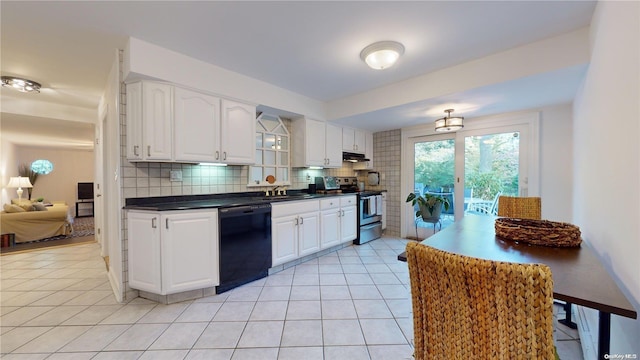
217,155
153,223
135,150
224,155
148,150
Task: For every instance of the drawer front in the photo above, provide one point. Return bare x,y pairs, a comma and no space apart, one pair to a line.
332,203
348,201
294,207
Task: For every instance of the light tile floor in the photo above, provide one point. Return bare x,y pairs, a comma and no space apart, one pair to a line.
351,304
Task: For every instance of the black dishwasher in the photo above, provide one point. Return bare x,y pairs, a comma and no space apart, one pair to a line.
245,245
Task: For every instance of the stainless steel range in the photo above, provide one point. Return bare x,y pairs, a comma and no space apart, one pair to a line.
370,219
369,207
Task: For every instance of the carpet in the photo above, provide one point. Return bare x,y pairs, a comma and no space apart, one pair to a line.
82,227
83,231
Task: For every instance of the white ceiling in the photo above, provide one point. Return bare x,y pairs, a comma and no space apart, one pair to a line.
311,48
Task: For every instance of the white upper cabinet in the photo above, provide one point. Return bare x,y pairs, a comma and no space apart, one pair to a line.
237,135
197,126
353,140
134,121
316,143
167,123
149,122
368,153
332,146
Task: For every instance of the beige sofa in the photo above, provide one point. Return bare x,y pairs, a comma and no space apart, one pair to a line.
36,225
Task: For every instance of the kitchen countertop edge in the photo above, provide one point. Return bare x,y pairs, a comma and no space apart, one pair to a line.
214,201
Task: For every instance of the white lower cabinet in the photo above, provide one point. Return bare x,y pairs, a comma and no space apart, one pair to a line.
295,230
171,252
338,220
348,218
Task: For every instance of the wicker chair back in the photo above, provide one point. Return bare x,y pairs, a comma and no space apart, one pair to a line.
468,308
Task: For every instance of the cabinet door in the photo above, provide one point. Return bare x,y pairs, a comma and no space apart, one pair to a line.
238,131
349,223
309,234
333,146
368,153
134,121
143,231
315,143
359,141
284,239
157,119
330,228
347,139
197,126
189,251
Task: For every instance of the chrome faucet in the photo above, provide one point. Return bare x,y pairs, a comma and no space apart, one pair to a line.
280,191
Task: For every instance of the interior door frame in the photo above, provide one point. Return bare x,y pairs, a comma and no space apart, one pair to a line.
528,123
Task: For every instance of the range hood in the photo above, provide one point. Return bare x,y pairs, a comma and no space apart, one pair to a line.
353,157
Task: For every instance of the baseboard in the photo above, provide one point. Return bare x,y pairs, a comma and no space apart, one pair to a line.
587,320
115,285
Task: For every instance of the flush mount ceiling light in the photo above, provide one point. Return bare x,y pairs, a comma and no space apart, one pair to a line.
22,85
449,123
382,54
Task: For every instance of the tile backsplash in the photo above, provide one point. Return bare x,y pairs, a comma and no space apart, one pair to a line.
144,179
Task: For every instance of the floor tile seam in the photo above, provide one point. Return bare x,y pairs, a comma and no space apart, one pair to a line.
54,328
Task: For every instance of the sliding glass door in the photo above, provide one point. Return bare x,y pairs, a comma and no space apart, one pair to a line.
470,168
492,167
434,174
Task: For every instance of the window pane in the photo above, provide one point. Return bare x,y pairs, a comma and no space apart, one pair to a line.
269,157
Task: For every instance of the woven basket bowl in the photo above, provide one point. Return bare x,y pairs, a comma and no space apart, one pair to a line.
538,232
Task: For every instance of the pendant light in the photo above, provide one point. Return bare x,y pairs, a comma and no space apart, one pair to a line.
448,123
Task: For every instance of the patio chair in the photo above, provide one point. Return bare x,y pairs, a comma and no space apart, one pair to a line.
468,308
520,207
484,207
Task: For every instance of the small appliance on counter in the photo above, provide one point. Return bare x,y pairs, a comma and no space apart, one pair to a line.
327,184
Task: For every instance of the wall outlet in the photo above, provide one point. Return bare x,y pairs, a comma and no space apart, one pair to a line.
175,175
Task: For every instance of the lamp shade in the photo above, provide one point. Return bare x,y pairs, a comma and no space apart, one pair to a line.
19,182
382,55
449,123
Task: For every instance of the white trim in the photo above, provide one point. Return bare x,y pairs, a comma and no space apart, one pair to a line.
115,285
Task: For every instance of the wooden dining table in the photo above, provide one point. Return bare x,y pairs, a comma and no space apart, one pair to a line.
578,274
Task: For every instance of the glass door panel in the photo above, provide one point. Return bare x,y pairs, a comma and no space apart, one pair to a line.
434,174
491,169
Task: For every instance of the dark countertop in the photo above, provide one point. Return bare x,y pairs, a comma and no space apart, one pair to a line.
211,201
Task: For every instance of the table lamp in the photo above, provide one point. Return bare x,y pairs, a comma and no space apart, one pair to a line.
19,182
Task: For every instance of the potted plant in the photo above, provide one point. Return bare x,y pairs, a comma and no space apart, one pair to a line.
429,205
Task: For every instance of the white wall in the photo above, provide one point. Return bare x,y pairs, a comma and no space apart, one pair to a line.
606,201
556,157
69,168
8,168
